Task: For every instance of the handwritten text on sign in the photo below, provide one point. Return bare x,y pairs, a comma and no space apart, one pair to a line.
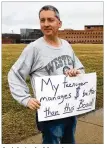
63,96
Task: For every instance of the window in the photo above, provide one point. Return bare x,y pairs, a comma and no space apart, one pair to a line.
88,27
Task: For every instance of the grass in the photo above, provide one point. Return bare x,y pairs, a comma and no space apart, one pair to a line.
18,122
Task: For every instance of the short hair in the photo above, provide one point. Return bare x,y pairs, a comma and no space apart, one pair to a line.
52,8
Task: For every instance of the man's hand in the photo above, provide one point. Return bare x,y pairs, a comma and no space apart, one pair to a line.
72,72
33,104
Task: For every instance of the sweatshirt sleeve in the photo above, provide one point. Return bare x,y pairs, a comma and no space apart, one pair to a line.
18,74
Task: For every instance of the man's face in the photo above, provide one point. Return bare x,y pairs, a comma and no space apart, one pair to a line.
49,23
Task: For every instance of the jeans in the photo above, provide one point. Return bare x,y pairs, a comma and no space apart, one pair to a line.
61,131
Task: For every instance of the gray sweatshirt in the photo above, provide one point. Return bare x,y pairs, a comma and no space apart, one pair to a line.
40,59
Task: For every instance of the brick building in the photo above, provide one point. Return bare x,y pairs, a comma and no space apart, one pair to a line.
92,34
8,38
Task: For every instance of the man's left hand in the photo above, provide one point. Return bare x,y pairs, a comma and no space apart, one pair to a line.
72,72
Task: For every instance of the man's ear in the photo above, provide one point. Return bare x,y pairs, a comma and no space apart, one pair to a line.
60,23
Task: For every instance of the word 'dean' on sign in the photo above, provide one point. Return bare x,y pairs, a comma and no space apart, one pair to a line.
63,96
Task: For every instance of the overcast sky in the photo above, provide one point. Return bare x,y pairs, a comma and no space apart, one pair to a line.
74,15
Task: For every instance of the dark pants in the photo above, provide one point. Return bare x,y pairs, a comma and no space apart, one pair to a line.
61,131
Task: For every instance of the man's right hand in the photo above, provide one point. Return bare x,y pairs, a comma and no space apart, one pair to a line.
33,104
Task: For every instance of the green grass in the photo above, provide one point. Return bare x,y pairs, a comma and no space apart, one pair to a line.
18,122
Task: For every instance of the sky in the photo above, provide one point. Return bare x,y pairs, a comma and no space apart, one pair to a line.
74,15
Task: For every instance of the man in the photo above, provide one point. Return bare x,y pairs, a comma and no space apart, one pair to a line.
48,55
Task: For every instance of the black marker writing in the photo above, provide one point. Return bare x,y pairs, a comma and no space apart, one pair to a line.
84,109
66,84
54,88
77,92
83,105
68,109
91,91
60,98
65,97
50,113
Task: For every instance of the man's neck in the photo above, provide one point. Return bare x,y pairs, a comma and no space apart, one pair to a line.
54,41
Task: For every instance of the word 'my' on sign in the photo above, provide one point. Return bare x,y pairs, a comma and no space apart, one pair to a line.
63,96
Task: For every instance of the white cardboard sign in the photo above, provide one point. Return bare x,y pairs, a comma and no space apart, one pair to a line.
63,96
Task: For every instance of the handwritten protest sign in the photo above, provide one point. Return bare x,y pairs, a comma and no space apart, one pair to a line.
63,96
